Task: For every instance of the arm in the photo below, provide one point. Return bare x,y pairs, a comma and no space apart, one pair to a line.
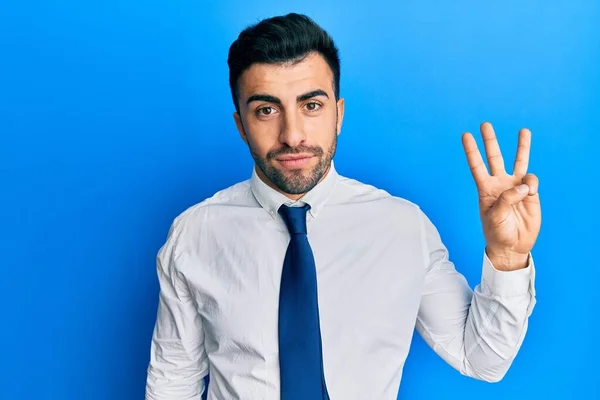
477,332
178,361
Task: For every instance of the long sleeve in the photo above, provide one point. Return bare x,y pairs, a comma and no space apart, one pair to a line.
480,331
178,362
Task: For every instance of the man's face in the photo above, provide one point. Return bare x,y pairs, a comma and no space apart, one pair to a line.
290,120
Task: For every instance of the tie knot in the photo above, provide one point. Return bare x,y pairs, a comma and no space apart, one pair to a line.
295,218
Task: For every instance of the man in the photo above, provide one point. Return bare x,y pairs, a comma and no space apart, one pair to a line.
300,283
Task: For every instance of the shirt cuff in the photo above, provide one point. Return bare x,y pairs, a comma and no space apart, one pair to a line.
509,283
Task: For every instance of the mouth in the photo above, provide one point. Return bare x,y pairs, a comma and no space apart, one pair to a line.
295,161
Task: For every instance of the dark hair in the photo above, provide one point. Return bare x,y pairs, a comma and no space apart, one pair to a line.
277,40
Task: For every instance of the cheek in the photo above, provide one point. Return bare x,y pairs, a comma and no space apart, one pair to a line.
321,129
262,137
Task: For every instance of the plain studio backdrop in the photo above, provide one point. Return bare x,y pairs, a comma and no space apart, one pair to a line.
116,115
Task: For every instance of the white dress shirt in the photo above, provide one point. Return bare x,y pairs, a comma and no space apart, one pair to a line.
382,272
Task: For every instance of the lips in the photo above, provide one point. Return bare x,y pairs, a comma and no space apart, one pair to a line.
293,158
295,161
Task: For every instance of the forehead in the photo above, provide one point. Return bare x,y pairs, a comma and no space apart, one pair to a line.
311,73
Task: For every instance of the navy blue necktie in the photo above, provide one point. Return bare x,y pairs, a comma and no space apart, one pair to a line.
300,354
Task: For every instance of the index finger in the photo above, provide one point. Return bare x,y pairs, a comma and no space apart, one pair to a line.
474,159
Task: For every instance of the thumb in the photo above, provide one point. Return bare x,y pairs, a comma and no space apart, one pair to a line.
514,195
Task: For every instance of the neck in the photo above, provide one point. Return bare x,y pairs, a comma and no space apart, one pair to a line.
294,197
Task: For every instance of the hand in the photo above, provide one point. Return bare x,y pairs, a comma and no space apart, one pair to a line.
509,205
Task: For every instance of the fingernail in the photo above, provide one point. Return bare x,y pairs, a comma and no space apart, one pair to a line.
522,189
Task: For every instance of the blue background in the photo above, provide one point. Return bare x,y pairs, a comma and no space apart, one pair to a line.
115,116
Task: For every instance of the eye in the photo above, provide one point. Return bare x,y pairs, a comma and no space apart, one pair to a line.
313,106
265,111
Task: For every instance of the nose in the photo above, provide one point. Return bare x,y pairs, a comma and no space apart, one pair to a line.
292,130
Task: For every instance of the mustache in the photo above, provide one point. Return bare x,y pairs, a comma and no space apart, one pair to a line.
317,151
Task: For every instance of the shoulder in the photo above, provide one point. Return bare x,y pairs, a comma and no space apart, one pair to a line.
351,190
192,220
397,214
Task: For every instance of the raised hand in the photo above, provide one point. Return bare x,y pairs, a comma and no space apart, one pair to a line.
509,205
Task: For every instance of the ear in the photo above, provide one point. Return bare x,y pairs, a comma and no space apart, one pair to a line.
340,113
240,126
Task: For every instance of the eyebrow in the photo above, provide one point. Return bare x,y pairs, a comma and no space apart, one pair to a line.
276,100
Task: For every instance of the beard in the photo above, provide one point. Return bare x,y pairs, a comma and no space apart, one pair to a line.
296,181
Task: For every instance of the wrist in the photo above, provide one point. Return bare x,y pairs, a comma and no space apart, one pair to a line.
506,260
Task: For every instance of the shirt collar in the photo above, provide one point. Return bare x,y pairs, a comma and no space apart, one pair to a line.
271,200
